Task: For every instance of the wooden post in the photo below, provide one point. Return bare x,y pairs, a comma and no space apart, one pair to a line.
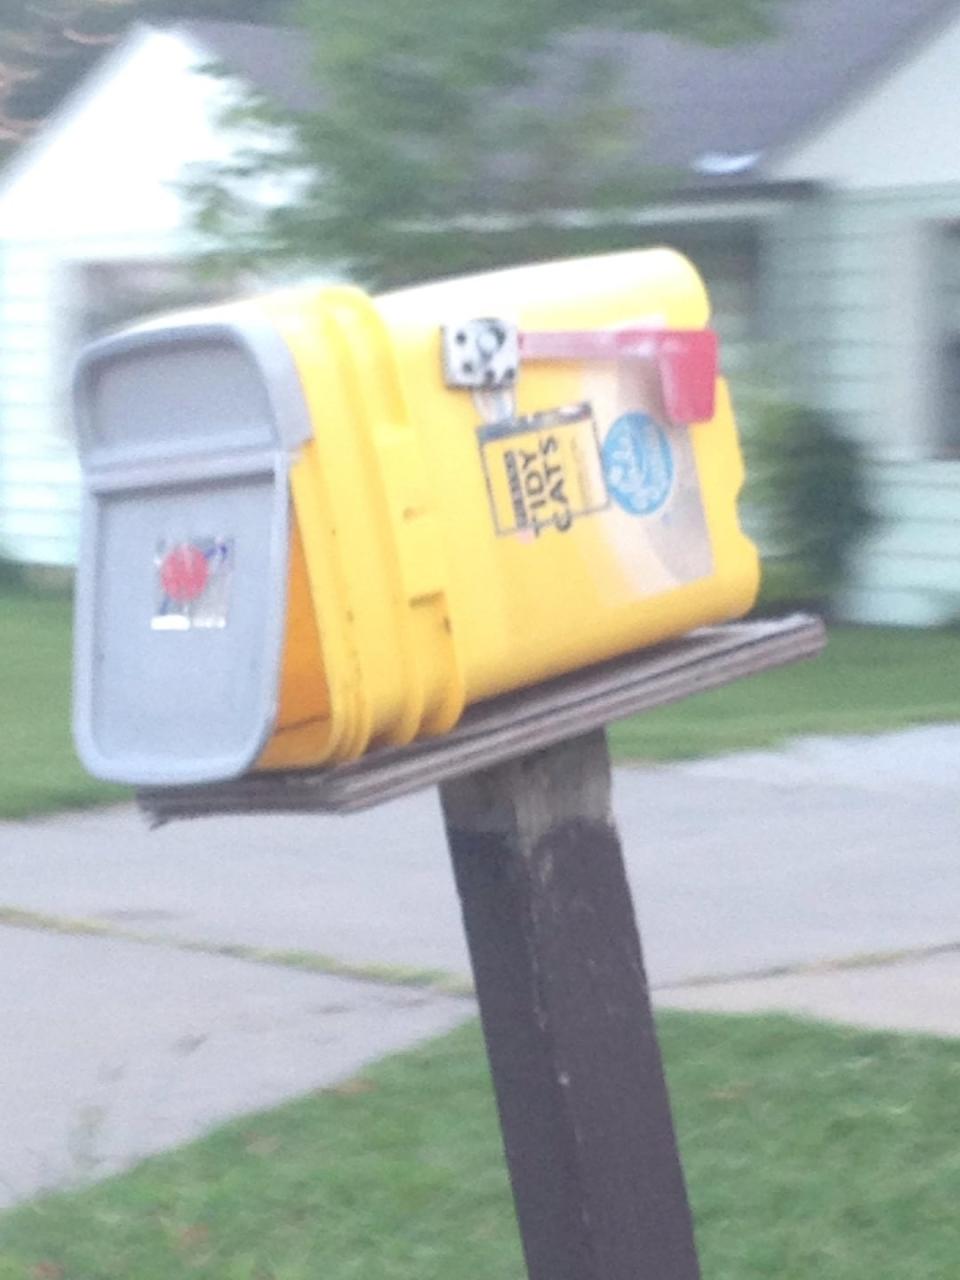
596,1175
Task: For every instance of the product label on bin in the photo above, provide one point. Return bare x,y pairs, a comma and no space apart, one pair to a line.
543,472
192,580
656,529
611,457
638,463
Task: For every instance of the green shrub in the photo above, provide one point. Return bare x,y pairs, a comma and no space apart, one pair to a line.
806,501
11,573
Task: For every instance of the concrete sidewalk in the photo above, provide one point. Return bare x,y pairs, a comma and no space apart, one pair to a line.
743,869
829,849
918,994
112,1051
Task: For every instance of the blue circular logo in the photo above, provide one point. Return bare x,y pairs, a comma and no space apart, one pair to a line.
638,464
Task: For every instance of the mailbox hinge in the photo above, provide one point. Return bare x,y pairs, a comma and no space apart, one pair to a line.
481,355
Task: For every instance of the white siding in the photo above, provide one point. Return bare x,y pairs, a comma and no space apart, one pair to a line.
99,184
38,474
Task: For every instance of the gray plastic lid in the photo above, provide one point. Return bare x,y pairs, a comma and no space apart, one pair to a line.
187,430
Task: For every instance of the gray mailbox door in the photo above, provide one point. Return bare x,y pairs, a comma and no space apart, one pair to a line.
186,435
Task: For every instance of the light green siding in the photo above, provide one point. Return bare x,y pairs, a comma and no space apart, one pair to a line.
909,570
857,292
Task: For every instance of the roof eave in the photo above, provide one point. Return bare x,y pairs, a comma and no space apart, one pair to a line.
717,201
752,188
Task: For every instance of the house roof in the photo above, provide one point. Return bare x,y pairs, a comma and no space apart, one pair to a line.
716,113
708,108
276,61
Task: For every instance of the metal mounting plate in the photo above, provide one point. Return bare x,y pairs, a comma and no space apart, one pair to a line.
480,354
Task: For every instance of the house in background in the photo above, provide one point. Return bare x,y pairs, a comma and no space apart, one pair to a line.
820,196
94,231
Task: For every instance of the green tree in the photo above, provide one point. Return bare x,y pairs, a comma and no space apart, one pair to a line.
453,136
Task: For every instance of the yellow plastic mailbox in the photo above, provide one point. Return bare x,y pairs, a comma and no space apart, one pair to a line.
494,480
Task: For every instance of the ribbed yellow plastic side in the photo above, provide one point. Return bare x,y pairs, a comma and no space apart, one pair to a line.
374,556
421,602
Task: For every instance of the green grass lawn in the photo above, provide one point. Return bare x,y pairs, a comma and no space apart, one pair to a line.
38,767
866,682
812,1153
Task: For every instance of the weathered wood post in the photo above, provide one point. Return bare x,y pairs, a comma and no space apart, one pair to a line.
566,1012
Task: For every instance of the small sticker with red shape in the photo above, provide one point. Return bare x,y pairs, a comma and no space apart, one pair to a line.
192,578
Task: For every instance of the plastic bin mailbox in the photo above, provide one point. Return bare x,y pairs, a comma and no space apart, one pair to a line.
318,522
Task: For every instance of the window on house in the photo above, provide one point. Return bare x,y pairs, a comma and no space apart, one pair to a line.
101,297
111,295
948,434
727,256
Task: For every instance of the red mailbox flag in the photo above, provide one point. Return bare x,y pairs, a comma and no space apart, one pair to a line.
686,361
